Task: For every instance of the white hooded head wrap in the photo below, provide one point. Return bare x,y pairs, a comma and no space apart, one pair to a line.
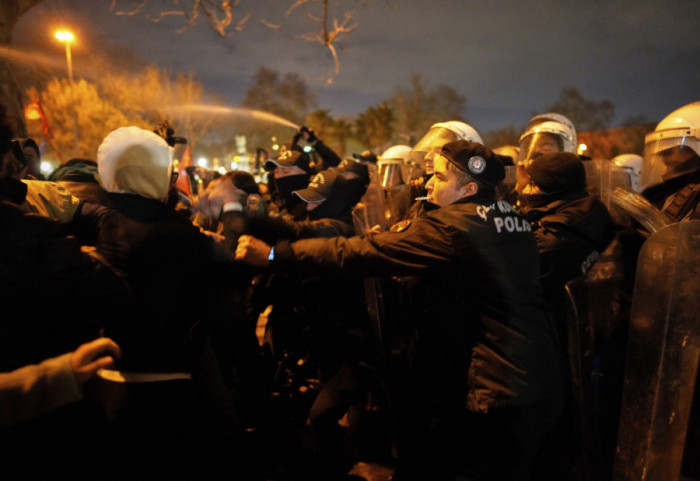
135,161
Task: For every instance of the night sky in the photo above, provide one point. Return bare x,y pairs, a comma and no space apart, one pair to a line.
510,59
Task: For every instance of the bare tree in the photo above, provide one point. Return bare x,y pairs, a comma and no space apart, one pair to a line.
331,32
222,17
219,14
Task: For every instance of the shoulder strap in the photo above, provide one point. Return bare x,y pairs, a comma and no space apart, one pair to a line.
683,202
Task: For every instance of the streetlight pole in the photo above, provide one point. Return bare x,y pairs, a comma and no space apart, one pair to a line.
67,38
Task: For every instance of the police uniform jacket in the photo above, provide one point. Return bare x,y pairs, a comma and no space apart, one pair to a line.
486,341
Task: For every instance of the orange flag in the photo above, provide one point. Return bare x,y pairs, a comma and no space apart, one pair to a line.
183,180
33,111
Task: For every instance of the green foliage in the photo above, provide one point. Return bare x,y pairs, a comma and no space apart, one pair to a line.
287,97
587,115
418,106
374,127
334,132
509,135
96,117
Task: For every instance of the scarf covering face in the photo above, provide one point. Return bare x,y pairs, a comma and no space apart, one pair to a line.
286,185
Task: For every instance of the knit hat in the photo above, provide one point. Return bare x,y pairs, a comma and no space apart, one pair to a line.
558,172
476,160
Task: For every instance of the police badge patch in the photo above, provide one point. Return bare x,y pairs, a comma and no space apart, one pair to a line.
476,164
400,226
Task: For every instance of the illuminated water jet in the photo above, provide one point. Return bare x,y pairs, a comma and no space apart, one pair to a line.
237,111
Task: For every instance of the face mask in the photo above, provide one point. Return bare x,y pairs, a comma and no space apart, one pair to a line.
336,206
286,185
357,189
533,201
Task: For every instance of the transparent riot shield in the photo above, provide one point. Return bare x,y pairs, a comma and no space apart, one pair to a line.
650,217
602,178
662,356
370,211
593,315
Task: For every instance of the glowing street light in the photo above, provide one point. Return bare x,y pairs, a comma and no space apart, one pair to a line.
67,37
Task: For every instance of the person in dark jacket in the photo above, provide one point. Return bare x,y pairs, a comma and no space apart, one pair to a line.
490,375
571,226
291,170
166,396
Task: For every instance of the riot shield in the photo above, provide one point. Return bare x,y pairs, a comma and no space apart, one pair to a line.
370,211
651,218
662,356
602,178
593,315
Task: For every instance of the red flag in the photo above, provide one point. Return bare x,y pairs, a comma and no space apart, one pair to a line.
186,159
183,179
33,111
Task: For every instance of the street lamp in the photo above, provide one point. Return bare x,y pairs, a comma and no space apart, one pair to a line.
67,37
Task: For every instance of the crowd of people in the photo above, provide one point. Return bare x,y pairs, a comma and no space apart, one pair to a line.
399,316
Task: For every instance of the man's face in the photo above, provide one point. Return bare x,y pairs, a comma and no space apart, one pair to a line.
443,186
287,171
674,158
538,144
545,144
32,159
430,159
312,205
9,165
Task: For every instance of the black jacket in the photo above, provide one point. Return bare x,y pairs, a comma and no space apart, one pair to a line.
176,274
487,341
571,232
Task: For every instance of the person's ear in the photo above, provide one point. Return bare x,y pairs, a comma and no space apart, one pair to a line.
469,189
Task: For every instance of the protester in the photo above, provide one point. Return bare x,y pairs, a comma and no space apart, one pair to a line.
32,390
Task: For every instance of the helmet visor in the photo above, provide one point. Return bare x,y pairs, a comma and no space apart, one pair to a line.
435,138
390,174
666,155
538,144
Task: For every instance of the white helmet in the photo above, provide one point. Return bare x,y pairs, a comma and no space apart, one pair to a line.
391,165
632,164
443,132
508,151
438,135
135,161
395,153
546,133
677,132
